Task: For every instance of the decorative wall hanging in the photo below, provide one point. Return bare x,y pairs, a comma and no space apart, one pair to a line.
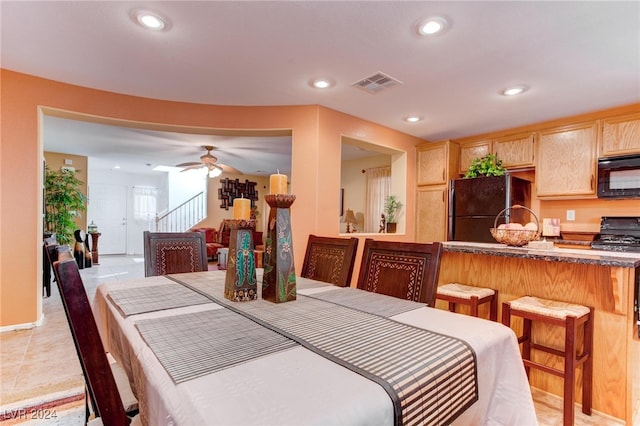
231,189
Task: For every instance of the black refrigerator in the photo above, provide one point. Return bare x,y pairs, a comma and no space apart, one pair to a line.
474,204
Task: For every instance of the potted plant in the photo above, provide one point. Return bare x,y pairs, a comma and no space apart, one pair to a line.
63,201
391,208
489,165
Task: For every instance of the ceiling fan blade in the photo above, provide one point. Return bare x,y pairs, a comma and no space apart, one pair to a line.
192,163
229,169
193,167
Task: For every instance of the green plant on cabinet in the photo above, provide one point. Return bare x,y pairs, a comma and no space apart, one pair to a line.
489,165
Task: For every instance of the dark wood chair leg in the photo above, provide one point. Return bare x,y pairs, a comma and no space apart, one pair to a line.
452,307
506,314
587,367
493,309
526,342
569,370
473,306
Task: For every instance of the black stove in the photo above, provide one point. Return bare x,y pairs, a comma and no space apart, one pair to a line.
618,233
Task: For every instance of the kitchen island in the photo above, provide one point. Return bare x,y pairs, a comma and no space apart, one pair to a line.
607,281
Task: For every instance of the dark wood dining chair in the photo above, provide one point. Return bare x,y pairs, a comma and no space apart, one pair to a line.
404,270
174,253
63,252
49,255
107,396
330,259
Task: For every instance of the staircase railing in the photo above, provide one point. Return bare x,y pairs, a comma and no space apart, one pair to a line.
183,217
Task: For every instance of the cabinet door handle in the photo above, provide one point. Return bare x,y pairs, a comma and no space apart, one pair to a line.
443,172
592,179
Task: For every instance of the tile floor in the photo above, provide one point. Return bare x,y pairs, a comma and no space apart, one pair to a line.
40,373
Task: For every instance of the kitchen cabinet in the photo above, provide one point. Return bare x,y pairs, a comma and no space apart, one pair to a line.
431,223
566,162
434,162
470,152
437,165
620,135
515,151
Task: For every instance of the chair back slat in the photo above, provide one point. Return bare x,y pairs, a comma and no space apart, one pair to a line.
174,253
101,384
330,259
63,252
400,269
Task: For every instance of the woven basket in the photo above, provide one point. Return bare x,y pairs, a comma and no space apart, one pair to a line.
515,237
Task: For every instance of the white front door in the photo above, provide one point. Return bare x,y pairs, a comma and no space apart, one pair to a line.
108,209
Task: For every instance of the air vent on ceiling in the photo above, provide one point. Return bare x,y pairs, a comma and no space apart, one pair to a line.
377,83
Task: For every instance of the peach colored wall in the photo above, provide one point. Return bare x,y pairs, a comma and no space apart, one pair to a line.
334,125
316,133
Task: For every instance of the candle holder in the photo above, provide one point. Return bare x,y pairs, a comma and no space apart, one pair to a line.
279,279
240,283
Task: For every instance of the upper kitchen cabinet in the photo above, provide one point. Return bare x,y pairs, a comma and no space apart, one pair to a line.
471,151
515,151
437,162
620,135
566,162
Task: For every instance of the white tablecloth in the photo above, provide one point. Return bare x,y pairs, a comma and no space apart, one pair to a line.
268,391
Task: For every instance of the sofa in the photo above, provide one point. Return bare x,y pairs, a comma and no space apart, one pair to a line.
211,239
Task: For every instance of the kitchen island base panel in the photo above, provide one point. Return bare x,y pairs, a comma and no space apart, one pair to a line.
609,289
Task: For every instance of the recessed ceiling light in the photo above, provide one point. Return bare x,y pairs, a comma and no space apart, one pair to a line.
413,119
321,83
150,20
514,90
432,26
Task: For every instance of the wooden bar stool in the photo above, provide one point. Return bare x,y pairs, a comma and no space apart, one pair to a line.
570,317
473,297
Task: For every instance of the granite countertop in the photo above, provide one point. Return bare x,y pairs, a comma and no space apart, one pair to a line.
587,256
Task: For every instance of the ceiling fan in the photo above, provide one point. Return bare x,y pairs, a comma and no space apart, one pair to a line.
211,163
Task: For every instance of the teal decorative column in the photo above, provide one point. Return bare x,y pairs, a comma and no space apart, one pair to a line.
240,282
279,279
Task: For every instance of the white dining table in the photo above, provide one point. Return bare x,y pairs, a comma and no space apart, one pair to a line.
297,386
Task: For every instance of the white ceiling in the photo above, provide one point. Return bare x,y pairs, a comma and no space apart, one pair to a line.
576,56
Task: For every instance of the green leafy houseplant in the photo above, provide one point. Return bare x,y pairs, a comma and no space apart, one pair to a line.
63,201
489,165
391,208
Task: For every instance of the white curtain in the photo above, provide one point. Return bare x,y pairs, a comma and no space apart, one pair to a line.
378,188
144,204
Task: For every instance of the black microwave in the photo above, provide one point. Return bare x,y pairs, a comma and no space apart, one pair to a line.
619,177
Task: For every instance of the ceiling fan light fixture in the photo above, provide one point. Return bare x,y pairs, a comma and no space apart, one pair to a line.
214,172
514,90
435,25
